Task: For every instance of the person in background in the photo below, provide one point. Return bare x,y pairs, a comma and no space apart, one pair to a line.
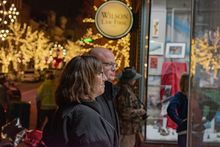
78,121
129,107
13,91
3,101
4,98
46,104
2,117
106,99
177,110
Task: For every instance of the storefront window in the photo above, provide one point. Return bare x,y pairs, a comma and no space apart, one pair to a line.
168,59
205,70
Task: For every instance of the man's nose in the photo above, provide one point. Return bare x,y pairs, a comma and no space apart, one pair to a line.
113,68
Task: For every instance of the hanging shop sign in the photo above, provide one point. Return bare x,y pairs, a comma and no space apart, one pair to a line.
113,19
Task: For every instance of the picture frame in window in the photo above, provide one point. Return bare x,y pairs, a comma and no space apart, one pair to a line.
155,65
156,48
154,80
175,50
155,29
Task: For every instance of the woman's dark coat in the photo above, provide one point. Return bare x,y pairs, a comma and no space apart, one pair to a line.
177,110
79,125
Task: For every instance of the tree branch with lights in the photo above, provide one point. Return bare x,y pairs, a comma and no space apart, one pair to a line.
205,51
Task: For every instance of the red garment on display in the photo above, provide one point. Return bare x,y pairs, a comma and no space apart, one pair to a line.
171,74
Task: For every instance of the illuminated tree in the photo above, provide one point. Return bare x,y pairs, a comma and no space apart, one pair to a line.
10,47
5,59
74,49
36,47
205,52
23,46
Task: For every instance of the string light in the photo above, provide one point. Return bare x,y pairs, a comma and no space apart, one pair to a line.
8,14
88,20
205,51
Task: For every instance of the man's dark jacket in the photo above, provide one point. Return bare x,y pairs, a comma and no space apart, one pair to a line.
106,101
2,116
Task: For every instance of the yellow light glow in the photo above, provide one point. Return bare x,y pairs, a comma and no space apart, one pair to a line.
204,52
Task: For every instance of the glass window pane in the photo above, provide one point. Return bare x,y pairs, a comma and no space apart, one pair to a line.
169,50
205,69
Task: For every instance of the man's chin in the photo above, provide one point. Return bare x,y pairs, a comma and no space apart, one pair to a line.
111,79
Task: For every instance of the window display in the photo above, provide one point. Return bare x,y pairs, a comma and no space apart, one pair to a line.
168,58
172,52
176,46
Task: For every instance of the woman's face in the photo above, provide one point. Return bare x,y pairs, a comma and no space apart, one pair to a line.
99,85
132,82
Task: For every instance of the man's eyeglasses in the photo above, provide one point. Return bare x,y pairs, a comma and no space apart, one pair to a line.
113,66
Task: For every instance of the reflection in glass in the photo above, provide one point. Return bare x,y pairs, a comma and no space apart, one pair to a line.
205,61
168,58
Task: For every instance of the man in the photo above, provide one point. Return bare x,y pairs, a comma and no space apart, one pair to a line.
106,100
3,92
45,100
3,101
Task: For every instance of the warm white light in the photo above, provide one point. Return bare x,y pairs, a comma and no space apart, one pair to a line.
8,15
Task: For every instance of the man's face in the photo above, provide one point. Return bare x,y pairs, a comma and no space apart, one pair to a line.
109,67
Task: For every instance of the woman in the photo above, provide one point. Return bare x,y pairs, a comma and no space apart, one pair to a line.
130,109
78,122
177,110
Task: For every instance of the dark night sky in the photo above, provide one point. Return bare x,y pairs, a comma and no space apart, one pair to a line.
68,8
